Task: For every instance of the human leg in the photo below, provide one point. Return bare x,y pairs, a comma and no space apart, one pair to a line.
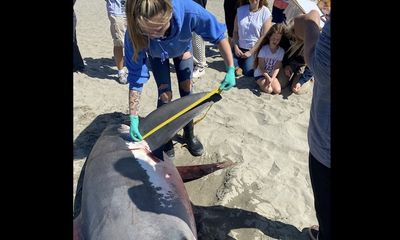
118,28
247,66
119,56
230,7
306,76
77,61
301,81
320,176
162,76
276,86
277,15
264,84
236,59
184,68
199,55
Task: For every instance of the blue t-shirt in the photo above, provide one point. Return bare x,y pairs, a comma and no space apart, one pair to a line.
319,130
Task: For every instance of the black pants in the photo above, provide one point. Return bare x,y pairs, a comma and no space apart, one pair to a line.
321,184
230,8
77,61
277,15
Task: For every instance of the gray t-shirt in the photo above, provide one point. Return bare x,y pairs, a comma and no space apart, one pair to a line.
319,130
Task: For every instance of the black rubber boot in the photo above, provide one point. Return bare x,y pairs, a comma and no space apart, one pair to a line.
194,145
169,150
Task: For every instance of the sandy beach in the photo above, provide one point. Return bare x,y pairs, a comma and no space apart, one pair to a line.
267,195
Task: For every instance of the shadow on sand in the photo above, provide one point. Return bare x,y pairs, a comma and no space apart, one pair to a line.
215,222
102,68
88,137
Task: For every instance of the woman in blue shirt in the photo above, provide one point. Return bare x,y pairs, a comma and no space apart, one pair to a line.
162,29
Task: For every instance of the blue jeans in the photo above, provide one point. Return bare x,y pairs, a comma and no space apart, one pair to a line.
161,72
306,76
245,63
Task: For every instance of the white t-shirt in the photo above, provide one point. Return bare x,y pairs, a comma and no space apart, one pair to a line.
270,59
250,24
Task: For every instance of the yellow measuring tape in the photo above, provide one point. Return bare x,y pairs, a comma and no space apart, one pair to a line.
216,90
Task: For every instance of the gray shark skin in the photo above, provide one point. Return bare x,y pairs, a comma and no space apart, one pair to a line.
125,192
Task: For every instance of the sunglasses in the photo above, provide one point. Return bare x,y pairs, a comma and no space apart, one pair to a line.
155,30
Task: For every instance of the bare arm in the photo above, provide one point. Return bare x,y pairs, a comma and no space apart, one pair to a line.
277,66
235,38
306,27
226,52
261,64
134,97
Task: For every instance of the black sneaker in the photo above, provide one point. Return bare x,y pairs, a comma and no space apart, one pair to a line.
169,150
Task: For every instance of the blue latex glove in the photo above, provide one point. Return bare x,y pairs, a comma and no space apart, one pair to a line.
134,131
229,80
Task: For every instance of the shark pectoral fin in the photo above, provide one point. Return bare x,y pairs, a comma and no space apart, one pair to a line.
190,173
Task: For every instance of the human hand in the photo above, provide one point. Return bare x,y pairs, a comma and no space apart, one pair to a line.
296,88
288,71
229,80
246,54
134,129
238,52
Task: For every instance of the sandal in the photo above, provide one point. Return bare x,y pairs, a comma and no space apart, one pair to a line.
313,232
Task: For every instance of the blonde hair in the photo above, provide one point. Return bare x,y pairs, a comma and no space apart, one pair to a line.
276,28
298,44
138,14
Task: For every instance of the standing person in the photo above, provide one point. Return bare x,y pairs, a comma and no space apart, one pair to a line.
157,31
199,50
277,11
253,20
269,56
77,61
317,56
116,15
230,7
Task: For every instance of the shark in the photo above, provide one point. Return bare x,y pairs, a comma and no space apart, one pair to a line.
128,190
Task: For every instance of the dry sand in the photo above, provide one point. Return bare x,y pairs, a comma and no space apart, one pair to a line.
267,195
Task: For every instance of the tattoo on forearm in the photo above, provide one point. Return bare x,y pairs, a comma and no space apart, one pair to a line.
134,97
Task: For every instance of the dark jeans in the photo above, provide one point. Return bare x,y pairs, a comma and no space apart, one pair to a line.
277,15
321,184
306,76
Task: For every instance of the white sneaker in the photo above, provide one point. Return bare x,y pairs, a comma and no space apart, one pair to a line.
123,77
198,71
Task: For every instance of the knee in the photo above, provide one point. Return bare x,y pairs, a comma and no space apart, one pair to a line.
186,55
186,85
166,97
164,93
268,90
